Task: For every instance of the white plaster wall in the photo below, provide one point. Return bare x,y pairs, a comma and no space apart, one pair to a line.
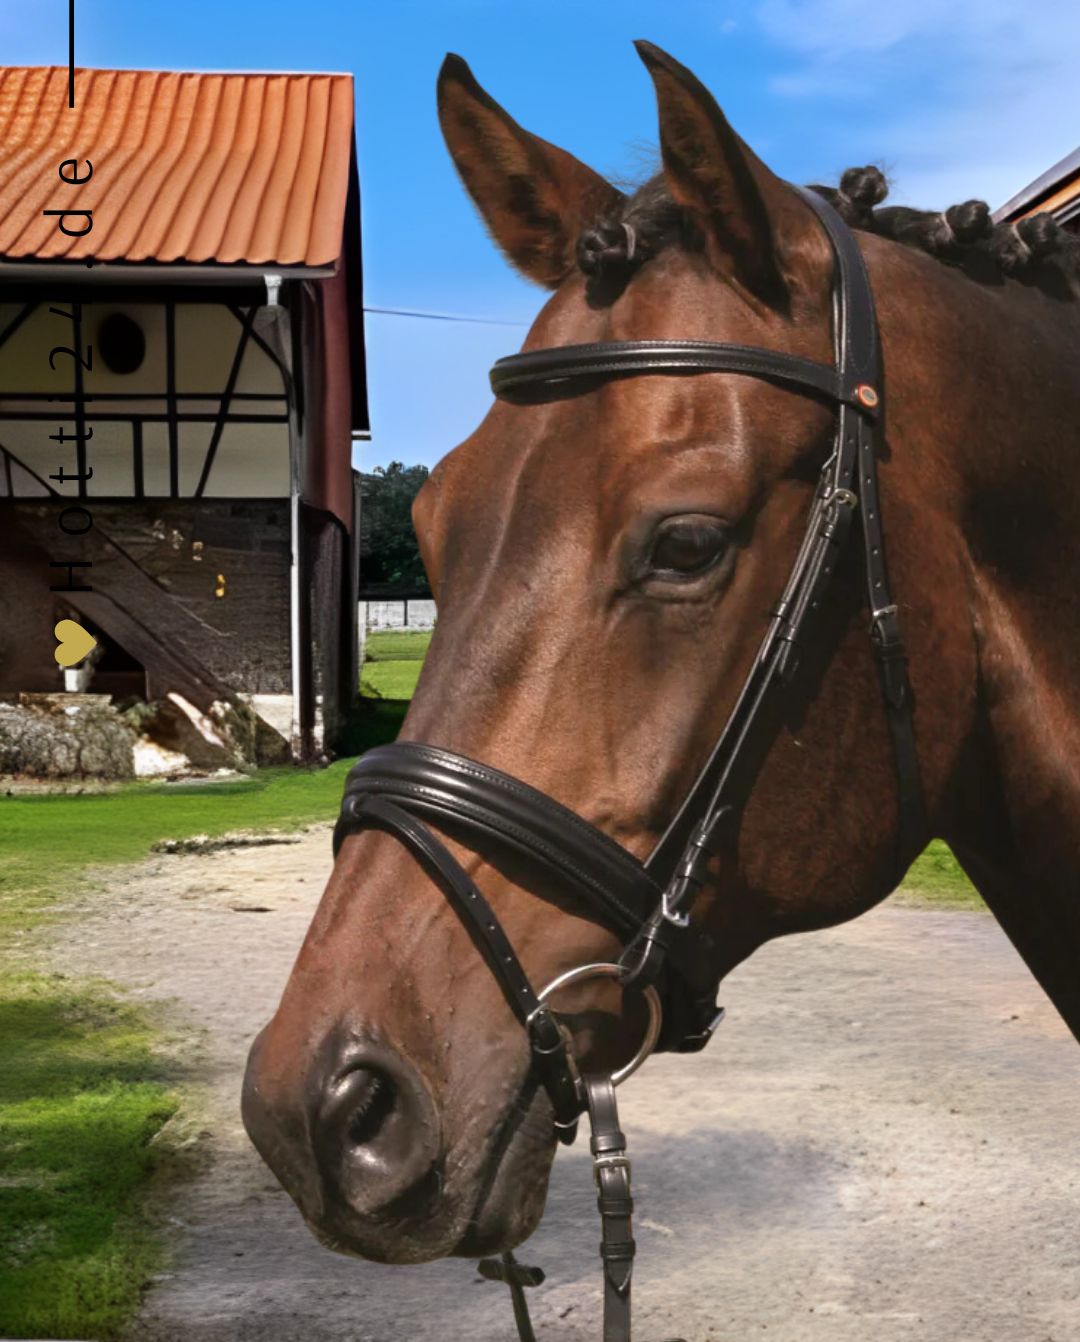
252,460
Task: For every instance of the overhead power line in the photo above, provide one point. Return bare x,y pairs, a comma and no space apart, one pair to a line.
443,316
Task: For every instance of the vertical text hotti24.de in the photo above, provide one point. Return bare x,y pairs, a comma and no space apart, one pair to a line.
75,519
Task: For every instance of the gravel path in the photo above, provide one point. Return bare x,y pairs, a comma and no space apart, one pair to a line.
881,1144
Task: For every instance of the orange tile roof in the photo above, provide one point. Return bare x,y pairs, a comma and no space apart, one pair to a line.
230,168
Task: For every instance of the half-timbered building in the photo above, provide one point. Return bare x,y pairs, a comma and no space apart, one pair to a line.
181,382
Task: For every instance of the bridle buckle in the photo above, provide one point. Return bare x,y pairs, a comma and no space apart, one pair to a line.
609,1162
885,629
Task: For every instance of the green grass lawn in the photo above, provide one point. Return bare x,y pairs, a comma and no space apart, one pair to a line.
392,662
45,841
84,1090
936,878
82,1097
389,645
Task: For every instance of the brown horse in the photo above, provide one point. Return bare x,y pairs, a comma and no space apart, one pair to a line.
604,565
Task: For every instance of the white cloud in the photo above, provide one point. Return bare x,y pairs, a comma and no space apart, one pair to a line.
969,98
839,29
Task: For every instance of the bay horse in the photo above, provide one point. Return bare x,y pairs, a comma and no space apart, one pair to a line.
605,560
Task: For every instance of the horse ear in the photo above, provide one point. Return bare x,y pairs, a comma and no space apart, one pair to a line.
743,208
536,199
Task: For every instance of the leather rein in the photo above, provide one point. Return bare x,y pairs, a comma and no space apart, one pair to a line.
403,788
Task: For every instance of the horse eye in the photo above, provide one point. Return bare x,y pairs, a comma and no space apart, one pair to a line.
688,546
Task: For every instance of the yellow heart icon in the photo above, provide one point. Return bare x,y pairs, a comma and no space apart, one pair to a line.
74,642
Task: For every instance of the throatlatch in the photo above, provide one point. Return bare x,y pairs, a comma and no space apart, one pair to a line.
397,788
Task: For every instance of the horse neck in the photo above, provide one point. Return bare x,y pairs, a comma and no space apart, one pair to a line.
983,424
987,404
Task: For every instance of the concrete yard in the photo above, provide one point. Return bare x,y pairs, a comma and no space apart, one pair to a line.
881,1144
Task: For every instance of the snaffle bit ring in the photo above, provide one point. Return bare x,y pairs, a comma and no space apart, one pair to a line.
652,999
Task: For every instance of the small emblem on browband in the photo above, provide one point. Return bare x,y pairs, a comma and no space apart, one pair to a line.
866,395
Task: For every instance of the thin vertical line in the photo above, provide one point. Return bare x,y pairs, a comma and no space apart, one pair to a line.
71,53
137,458
170,398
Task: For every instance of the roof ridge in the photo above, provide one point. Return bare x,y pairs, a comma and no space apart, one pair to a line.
167,70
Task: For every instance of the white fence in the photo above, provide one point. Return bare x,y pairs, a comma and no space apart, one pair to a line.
416,614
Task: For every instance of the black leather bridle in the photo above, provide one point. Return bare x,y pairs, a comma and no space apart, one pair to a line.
400,788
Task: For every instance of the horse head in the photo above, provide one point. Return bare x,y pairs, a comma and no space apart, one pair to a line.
605,561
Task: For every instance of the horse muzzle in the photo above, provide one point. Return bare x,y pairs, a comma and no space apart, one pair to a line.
357,1143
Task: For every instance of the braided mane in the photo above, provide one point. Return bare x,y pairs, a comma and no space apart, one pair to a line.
963,235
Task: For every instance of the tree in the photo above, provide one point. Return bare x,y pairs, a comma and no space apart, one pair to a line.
388,549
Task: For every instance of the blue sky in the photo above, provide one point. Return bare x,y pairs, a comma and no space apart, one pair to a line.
959,99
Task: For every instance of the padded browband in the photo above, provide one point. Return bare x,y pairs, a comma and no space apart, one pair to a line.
442,786
516,376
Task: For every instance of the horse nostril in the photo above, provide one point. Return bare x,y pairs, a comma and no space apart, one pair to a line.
373,1095
375,1129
